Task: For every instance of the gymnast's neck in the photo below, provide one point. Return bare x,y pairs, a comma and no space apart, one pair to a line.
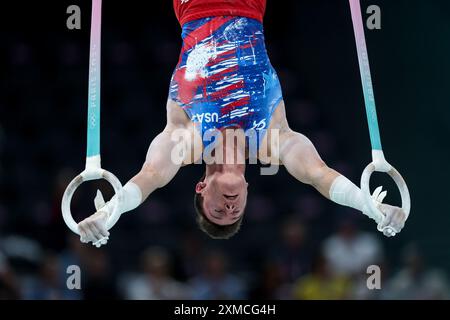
231,159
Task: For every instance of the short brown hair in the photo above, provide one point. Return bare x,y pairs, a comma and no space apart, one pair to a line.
214,230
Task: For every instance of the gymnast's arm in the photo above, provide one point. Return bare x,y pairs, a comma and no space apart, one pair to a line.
159,168
157,171
302,161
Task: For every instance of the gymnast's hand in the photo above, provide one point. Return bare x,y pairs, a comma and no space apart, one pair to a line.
394,217
93,229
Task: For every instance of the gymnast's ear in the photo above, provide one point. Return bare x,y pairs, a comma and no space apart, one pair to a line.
200,186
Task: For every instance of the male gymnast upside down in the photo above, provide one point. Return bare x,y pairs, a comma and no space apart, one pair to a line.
224,81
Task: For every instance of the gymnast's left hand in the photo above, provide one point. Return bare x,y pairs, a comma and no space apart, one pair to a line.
93,229
394,217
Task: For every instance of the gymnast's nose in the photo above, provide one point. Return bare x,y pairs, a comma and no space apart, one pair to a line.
230,206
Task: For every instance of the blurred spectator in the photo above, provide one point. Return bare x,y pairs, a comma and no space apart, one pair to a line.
191,251
97,279
8,281
156,282
321,284
216,282
293,254
22,251
47,285
415,281
269,283
350,251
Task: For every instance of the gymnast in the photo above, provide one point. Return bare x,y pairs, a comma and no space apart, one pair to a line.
226,101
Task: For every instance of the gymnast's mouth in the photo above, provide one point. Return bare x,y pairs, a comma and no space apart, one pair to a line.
230,197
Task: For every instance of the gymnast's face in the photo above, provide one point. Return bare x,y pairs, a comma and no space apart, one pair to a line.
224,197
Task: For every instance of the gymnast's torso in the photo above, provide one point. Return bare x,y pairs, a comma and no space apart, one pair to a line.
224,77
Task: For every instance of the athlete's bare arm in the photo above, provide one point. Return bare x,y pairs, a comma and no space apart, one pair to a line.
301,159
297,153
157,171
159,167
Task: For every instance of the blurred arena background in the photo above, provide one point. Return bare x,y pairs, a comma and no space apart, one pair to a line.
294,244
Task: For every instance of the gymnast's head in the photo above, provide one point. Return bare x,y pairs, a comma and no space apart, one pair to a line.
219,201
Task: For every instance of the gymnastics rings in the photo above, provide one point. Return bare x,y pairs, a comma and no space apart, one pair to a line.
379,163
93,170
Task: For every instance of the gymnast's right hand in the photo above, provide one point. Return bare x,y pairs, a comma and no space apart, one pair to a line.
93,229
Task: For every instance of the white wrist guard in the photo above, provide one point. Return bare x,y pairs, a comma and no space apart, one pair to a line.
132,198
346,193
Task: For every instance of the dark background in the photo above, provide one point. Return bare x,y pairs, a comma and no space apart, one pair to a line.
43,93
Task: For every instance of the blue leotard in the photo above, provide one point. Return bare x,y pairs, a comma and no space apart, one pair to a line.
224,77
